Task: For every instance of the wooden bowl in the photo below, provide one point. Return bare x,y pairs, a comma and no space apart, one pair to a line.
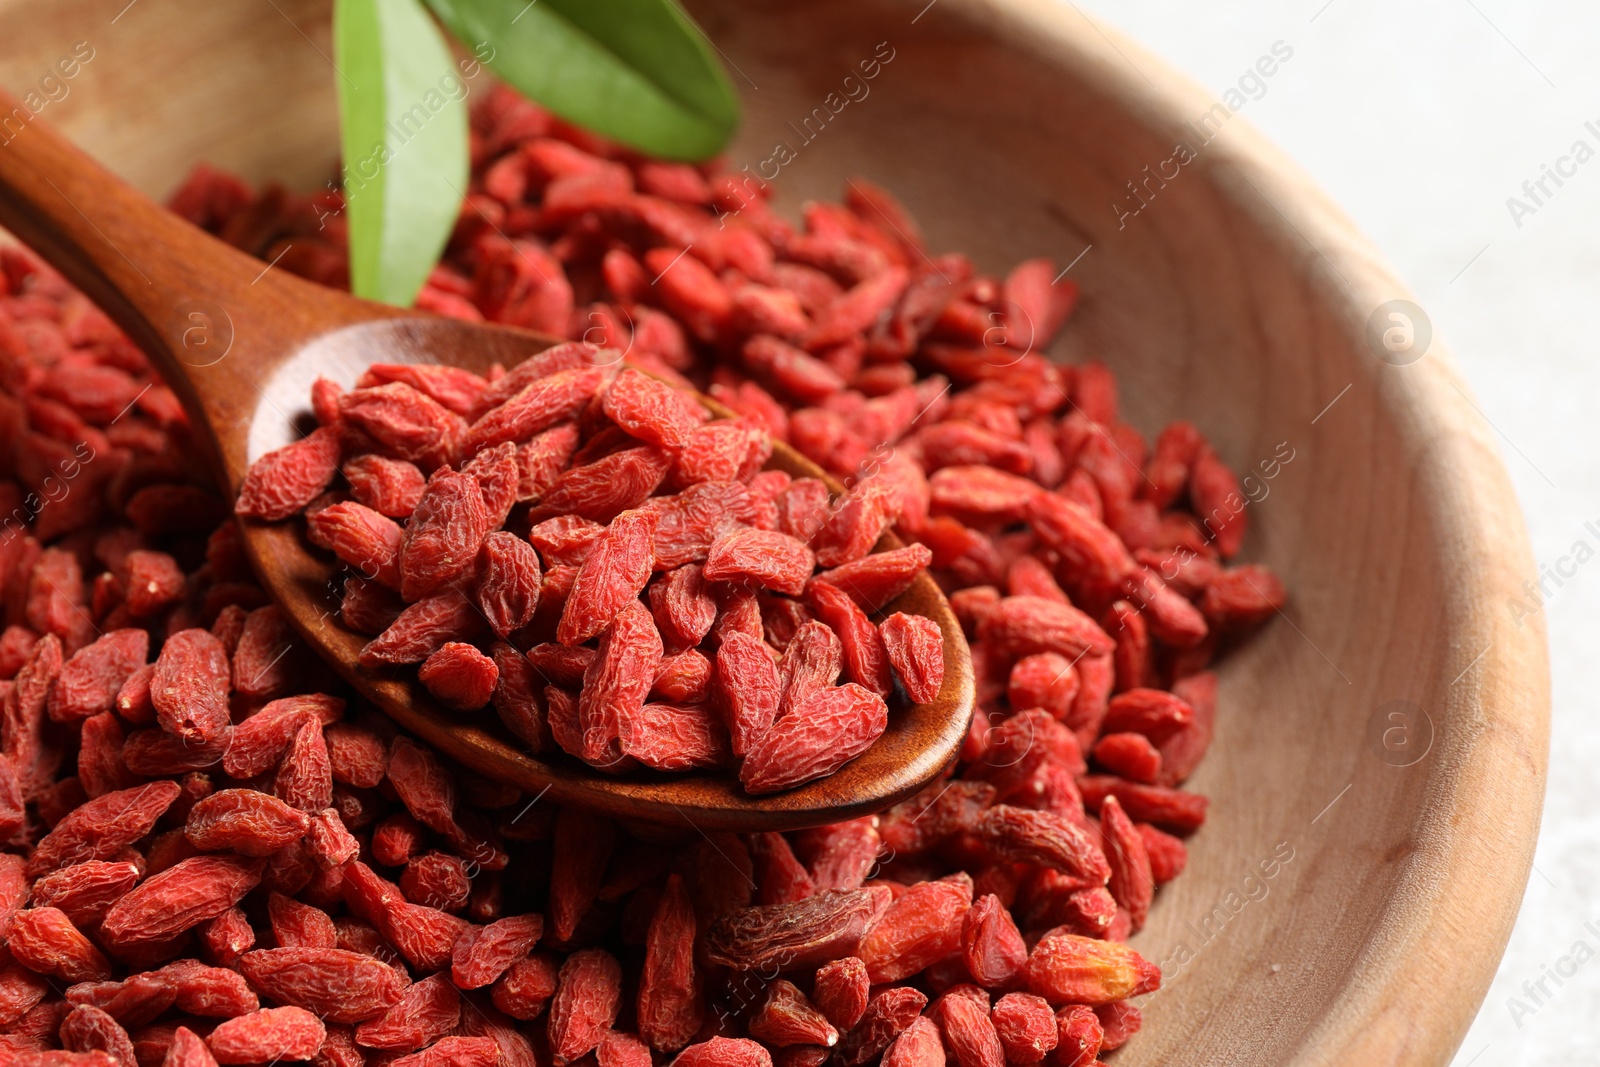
1380,754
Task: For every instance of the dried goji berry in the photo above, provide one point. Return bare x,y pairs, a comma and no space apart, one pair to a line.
786,1017
267,1034
189,687
460,676
43,939
180,897
1066,968
282,482
588,993
670,1007
839,723
613,574
245,821
915,647
921,927
443,534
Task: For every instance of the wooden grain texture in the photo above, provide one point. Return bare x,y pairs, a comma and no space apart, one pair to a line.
1238,297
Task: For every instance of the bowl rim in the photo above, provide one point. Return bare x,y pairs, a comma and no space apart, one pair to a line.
1412,992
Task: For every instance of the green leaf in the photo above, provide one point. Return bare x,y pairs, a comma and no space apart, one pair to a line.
403,114
637,71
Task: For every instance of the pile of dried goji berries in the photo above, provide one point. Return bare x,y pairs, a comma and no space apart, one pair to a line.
211,857
517,485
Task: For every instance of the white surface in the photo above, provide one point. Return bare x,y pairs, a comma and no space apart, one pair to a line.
1420,119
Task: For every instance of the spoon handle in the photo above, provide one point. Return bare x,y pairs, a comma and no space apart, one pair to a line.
213,320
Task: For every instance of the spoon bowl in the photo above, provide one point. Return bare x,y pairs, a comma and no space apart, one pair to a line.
241,345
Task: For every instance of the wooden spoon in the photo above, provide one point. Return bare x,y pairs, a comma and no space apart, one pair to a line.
241,342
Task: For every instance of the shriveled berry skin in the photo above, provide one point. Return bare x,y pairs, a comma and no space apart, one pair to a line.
724,1052
85,890
588,993
91,677
245,821
1066,968
482,954
460,676
842,722
915,647
746,685
180,897
526,987
509,581
866,659
103,827
390,487
422,629
766,558
786,1017
335,984
1027,1027
651,410
443,534
991,944
617,682
840,991
675,737
670,1005
888,1013
427,1010
282,482
44,940
968,1031
812,931
190,687
290,1033
614,573
365,541
87,1029
921,927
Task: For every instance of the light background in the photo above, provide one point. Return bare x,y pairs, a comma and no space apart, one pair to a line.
1421,118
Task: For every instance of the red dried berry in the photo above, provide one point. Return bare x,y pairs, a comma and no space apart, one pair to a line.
460,676
1027,1027
1066,968
335,984
390,487
616,683
888,1013
267,1034
822,927
245,821
864,654
786,1017
921,927
482,954
915,646
189,687
284,481
524,990
426,1011
840,723
509,580
764,558
588,993
91,678
615,572
442,537
670,1008
43,939
178,898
